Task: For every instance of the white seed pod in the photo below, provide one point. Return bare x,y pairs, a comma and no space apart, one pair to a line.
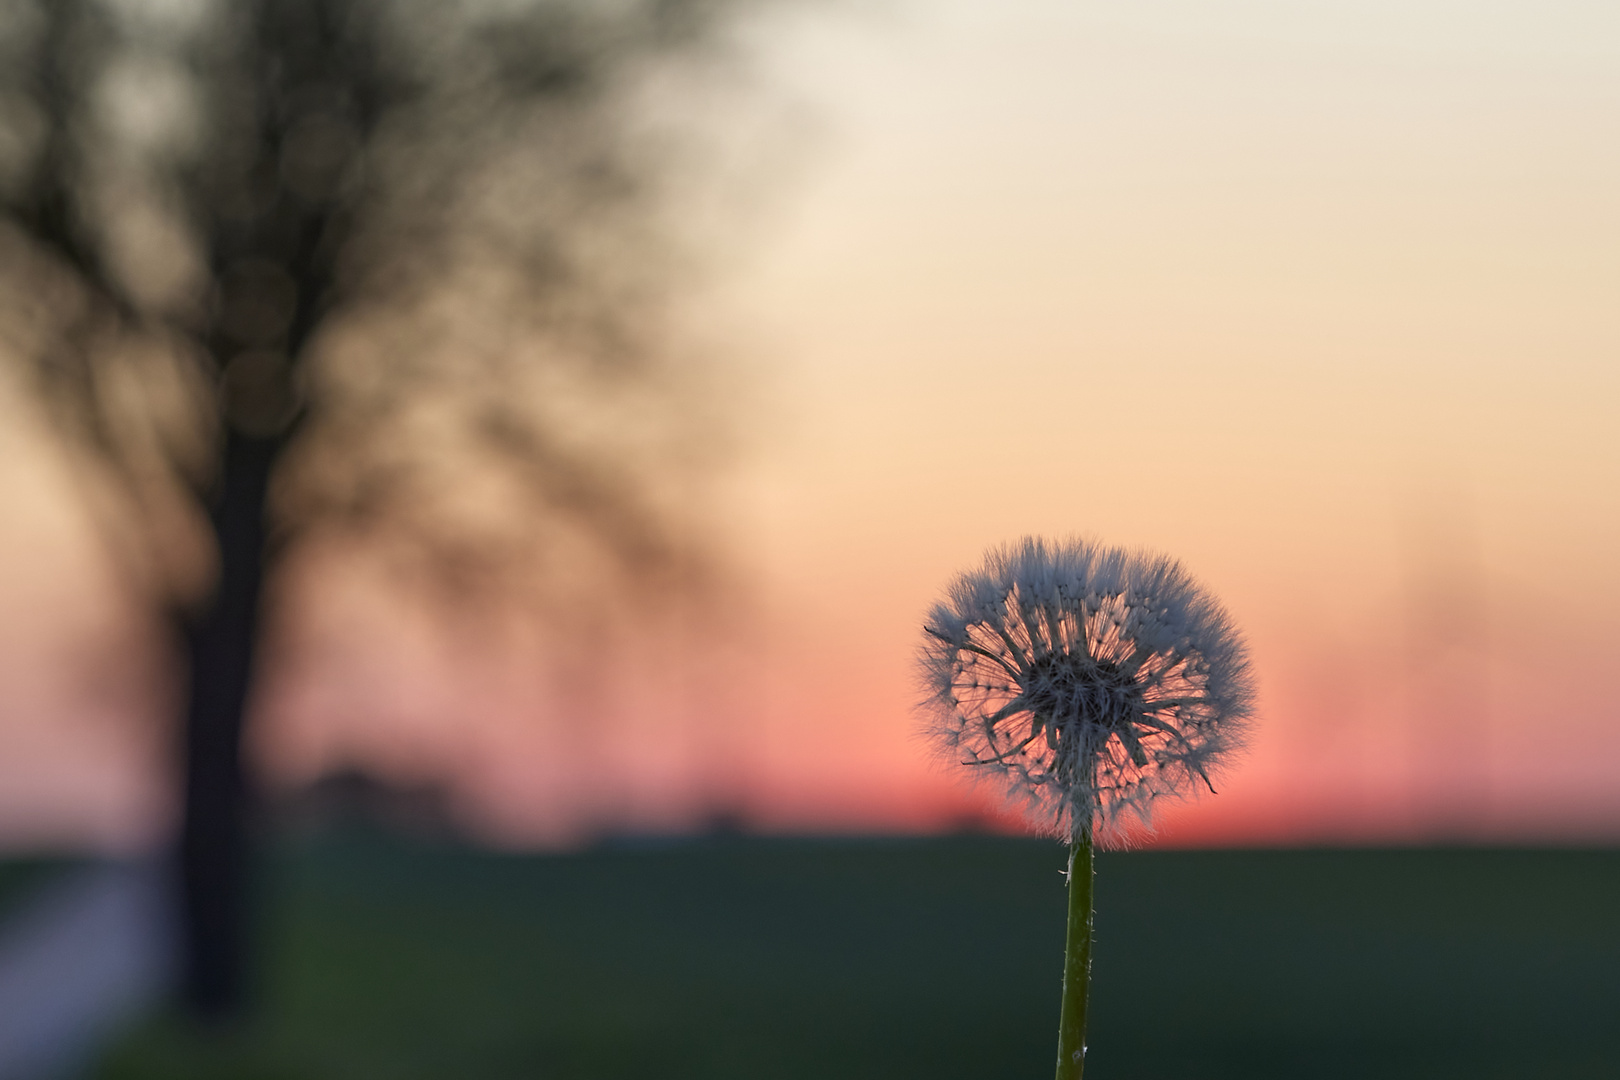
1089,680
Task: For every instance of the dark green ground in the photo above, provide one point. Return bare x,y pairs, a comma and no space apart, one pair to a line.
775,959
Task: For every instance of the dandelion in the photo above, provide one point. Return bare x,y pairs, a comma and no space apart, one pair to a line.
1090,682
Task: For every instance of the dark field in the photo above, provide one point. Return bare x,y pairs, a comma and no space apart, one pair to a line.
779,959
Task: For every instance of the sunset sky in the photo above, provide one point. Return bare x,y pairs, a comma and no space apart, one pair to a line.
1320,298
1323,299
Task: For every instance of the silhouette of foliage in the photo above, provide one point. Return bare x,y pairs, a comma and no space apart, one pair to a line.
426,240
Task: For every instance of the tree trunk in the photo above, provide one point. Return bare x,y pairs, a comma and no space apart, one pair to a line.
214,848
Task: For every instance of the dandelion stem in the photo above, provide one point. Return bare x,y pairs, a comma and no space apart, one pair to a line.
1071,1061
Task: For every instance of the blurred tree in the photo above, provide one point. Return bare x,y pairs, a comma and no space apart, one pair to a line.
389,268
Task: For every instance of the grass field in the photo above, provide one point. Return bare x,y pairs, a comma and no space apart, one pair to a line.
782,959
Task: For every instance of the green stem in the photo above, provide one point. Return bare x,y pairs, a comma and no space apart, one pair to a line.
1071,1062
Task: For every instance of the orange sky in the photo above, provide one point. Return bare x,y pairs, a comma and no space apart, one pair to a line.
1321,301
1323,304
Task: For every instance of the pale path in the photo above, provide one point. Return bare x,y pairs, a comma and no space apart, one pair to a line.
76,960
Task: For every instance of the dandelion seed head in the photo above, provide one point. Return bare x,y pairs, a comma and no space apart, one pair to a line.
1090,681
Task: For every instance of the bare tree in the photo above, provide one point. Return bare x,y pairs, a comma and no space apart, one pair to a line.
290,266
